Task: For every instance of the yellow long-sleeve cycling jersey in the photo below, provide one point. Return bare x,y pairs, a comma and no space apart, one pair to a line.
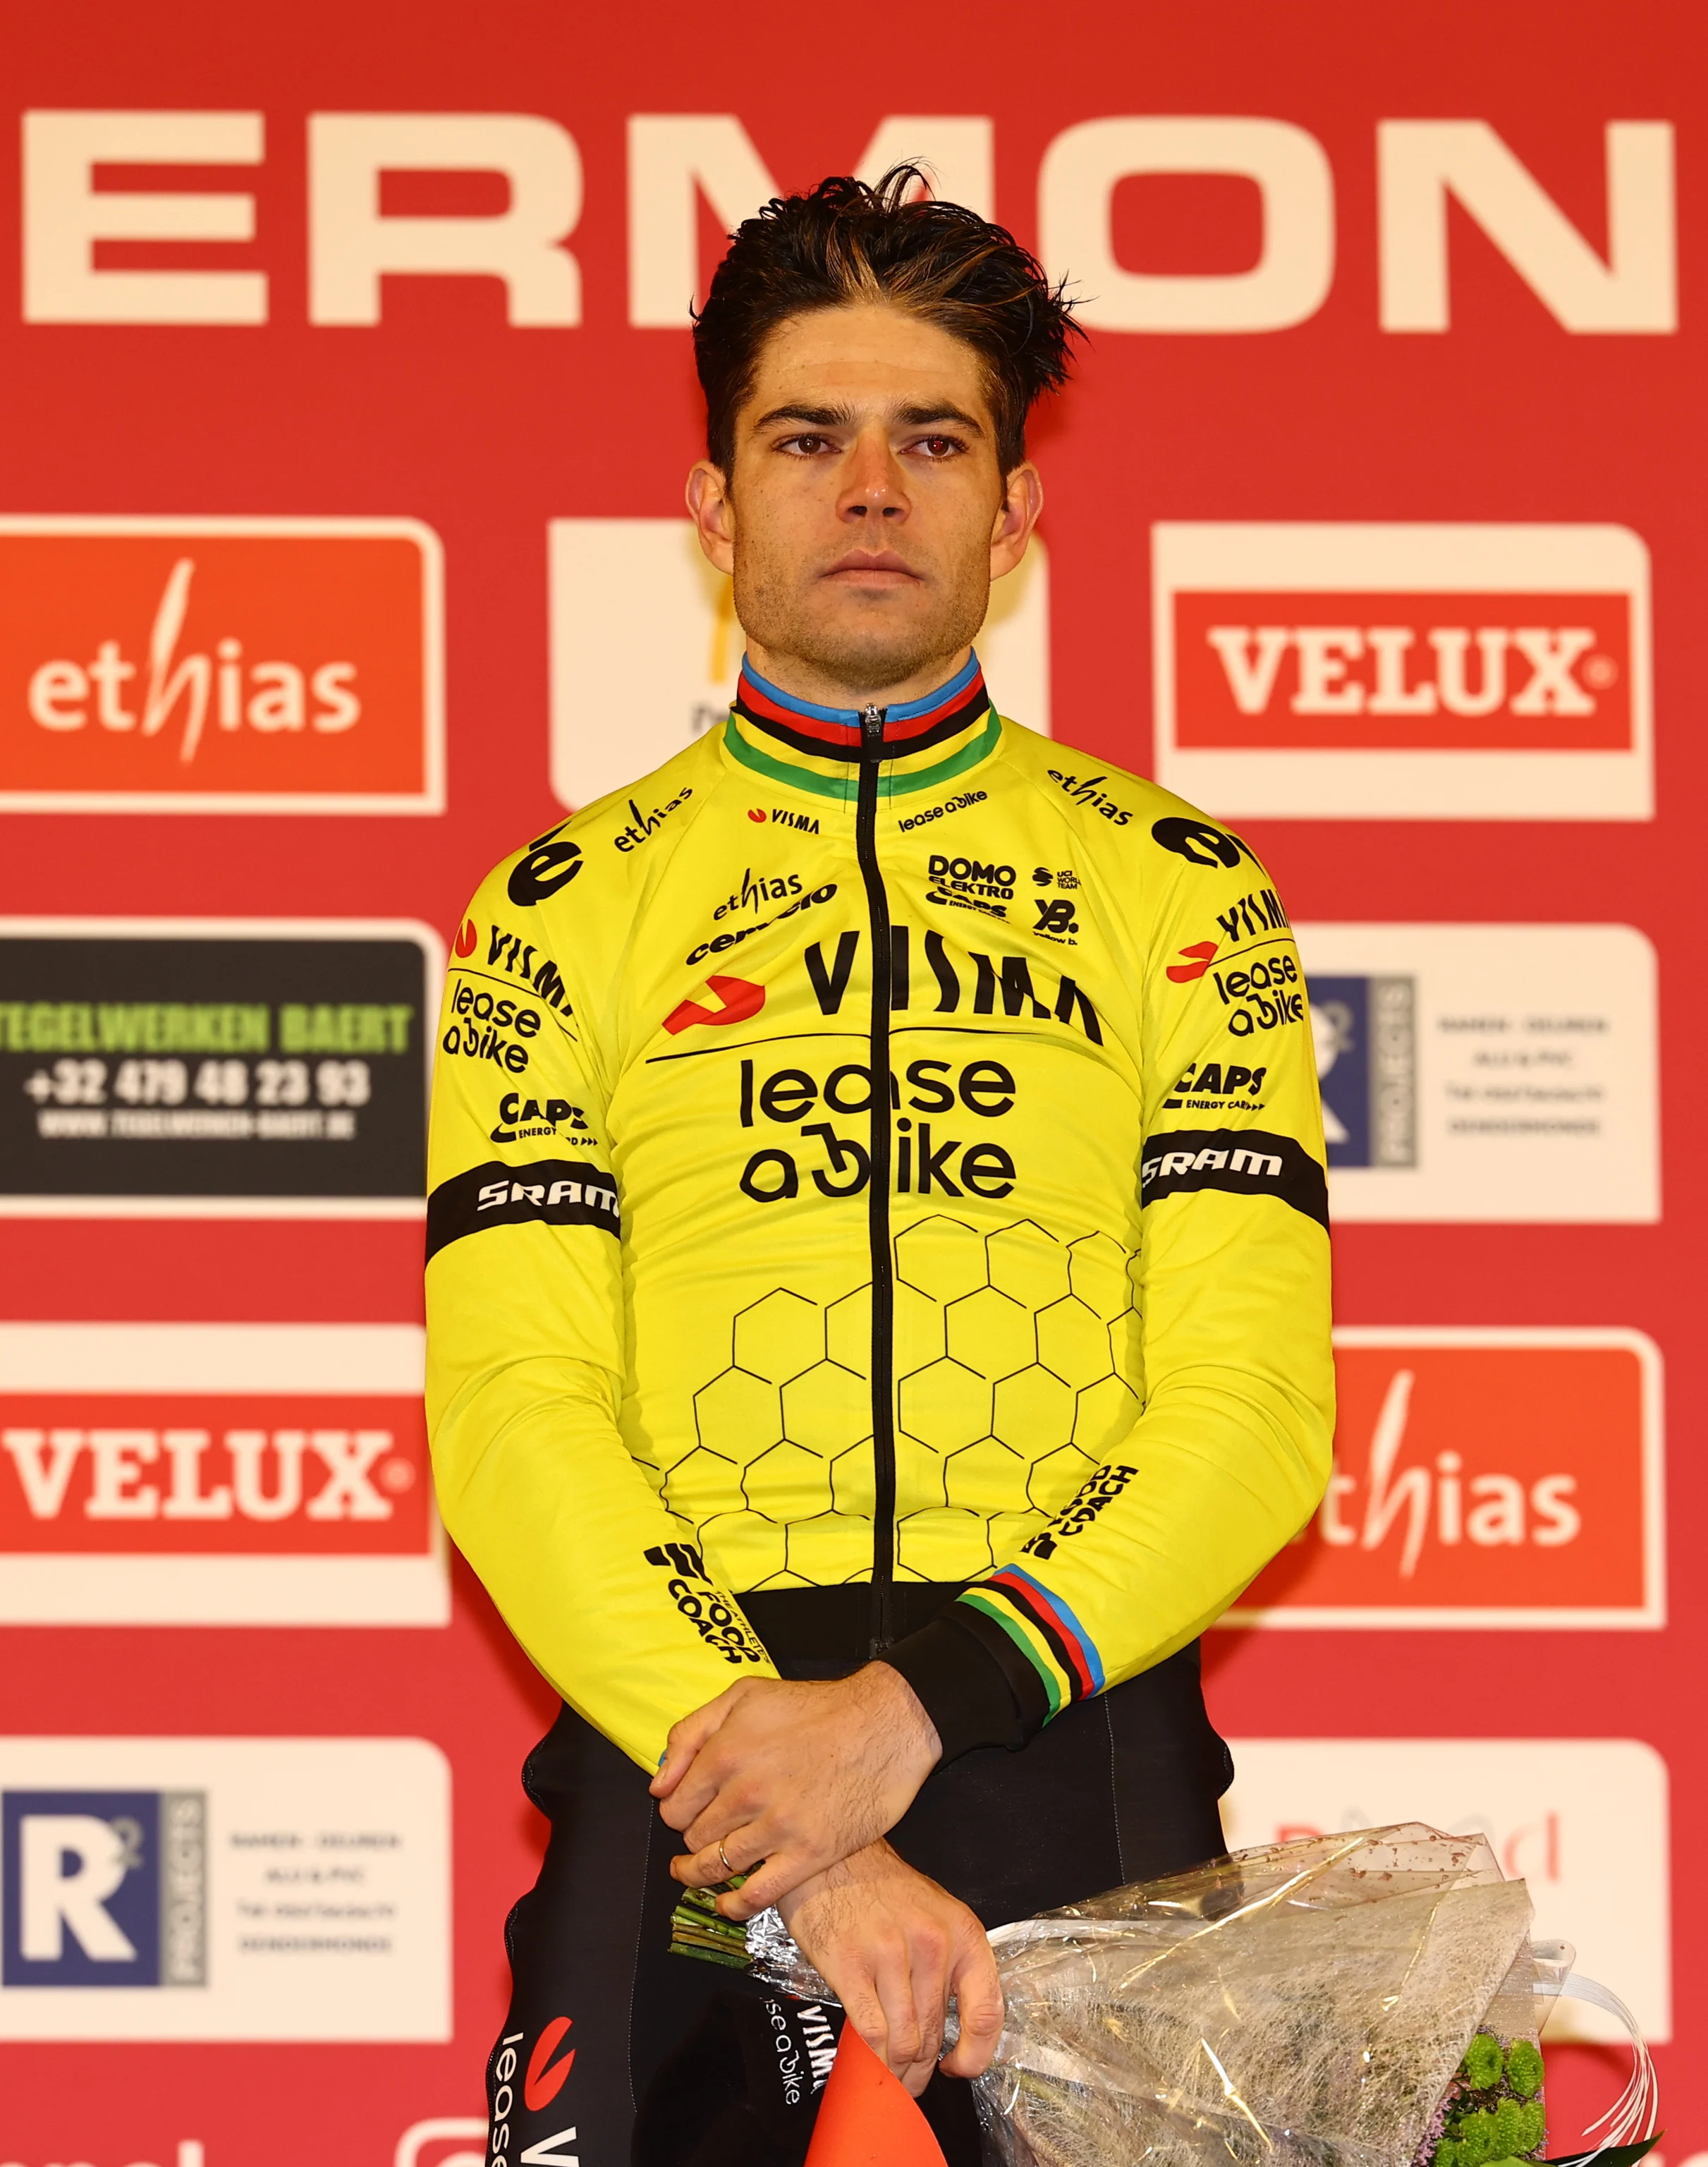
1042,1317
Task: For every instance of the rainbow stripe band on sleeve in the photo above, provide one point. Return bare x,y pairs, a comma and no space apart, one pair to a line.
1046,1632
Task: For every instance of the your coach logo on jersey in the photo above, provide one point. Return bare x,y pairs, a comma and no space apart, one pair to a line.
1411,670
549,866
712,1614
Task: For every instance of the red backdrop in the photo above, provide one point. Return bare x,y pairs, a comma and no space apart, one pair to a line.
446,412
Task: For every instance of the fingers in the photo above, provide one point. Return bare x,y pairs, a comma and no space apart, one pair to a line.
736,1853
979,1994
781,1871
687,1737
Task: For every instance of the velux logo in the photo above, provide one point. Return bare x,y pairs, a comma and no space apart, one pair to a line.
1482,1478
222,664
216,1474
1446,671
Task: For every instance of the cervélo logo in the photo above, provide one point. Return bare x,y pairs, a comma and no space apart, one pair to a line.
221,666
1446,672
216,1474
1482,1478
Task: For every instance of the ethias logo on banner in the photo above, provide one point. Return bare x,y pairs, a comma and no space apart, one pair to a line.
221,666
1406,671
1482,1478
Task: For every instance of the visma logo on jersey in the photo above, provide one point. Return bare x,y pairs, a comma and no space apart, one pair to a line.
216,1473
1482,1478
1455,672
248,665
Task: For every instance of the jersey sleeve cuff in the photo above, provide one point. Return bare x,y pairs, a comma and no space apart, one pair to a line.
971,1680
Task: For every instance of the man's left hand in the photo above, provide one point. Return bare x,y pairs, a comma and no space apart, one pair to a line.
800,1776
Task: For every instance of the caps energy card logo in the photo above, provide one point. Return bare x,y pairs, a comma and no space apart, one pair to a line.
1482,1478
1450,672
646,646
198,1474
228,665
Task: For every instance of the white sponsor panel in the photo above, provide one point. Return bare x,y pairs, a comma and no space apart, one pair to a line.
646,648
217,1474
1583,1821
1487,1072
257,1888
1404,670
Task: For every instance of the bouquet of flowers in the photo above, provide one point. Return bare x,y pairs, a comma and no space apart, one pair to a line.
1369,2000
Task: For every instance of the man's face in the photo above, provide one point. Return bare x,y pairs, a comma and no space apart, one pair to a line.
866,513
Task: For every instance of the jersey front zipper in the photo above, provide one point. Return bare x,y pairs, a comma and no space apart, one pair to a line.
883,1381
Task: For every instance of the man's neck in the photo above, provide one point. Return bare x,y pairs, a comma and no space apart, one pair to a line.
804,681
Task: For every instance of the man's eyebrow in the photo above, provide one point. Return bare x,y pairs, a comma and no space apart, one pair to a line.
815,417
917,416
920,417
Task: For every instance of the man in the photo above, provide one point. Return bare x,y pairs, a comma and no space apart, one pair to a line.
878,1259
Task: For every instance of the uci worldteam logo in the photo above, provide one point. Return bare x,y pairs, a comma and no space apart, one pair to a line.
103,1888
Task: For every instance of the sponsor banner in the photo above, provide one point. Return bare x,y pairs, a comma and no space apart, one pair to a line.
204,1067
1482,1478
216,1474
1487,1072
221,666
1401,670
281,1889
1582,1821
645,648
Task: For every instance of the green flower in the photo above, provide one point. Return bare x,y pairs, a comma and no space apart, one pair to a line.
1509,2124
1448,2153
1533,2125
1477,2140
1481,2066
1524,2068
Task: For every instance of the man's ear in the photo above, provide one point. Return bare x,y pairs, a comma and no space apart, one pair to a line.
713,513
1023,500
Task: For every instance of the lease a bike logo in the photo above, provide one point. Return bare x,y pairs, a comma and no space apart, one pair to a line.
222,665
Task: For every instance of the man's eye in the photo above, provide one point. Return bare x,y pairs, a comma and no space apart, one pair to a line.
940,448
805,445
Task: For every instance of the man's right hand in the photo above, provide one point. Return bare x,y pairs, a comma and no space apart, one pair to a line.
894,1946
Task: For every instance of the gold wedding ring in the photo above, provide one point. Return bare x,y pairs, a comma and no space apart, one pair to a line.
724,1855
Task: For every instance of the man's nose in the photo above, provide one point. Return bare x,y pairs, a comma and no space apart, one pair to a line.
874,486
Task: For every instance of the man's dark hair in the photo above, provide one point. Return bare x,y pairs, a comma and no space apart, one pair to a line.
845,242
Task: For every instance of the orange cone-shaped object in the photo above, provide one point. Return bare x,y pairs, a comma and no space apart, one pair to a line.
868,2118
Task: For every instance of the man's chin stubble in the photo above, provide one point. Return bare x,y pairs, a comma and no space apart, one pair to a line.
867,658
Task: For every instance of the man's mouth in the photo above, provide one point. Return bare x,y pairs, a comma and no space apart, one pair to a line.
870,567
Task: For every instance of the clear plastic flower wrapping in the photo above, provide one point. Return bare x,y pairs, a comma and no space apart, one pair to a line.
1304,2002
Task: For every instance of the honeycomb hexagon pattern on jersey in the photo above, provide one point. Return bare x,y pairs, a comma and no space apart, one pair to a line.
1015,1353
